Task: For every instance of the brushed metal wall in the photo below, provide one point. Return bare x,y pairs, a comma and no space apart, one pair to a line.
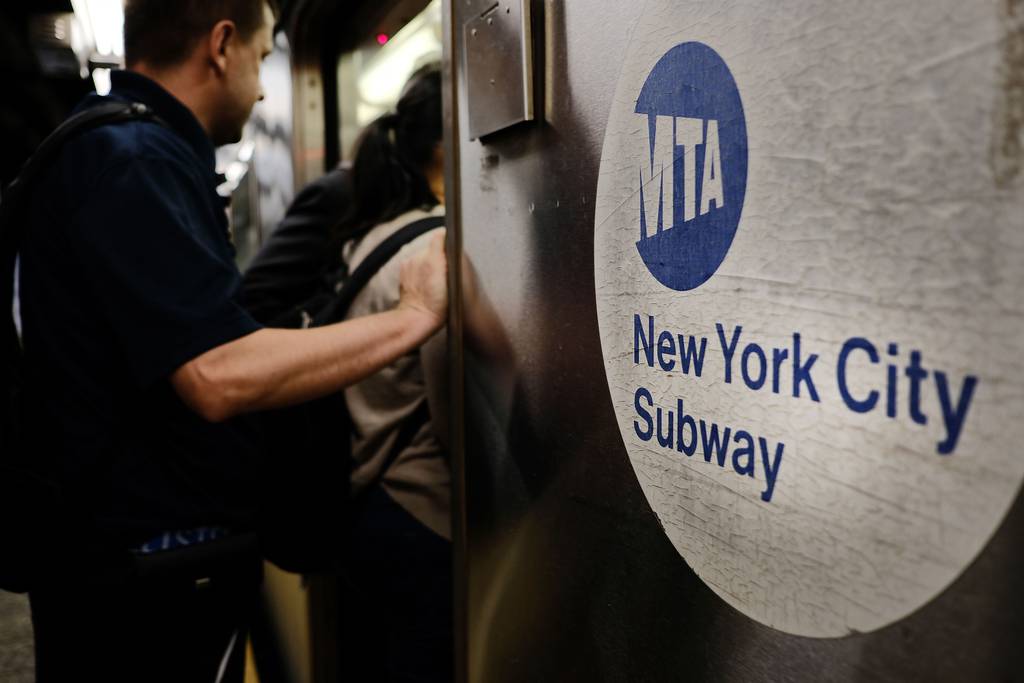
568,575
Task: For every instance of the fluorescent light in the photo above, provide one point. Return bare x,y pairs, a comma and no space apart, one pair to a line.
103,24
101,79
108,22
84,21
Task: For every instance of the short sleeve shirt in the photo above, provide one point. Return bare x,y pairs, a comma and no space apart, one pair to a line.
128,273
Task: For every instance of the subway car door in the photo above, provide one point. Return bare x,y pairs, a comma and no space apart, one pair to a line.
338,66
738,339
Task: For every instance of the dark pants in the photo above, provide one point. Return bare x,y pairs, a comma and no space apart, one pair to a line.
397,609
166,630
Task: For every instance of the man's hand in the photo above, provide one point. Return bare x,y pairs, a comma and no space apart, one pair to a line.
276,368
424,282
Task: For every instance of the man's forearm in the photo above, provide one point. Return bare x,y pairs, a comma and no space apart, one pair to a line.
273,368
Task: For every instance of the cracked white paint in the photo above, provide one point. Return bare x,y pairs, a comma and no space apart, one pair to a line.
872,210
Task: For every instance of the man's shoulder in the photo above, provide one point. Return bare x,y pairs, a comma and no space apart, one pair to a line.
89,153
112,159
129,142
117,165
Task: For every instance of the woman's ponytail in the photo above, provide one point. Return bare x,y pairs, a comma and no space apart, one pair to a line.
391,154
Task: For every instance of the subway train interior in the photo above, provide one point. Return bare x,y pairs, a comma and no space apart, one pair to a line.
734,370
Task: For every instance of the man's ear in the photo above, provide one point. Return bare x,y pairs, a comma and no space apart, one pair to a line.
219,40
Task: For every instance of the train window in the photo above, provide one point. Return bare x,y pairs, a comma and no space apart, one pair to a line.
370,77
258,172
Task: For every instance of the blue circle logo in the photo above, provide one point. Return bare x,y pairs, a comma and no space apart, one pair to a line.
693,187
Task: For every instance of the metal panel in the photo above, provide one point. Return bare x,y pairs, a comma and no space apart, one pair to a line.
498,66
570,576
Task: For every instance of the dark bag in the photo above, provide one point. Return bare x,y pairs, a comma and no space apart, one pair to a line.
32,504
306,502
302,257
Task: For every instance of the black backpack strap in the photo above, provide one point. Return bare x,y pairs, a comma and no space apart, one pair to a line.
16,194
410,427
369,267
383,253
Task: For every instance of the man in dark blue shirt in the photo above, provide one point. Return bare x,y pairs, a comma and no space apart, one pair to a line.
143,364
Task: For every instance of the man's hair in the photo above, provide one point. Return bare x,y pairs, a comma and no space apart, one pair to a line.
164,32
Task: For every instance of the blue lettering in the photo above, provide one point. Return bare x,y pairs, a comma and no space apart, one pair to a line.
675,430
713,445
666,345
665,440
645,435
688,354
890,387
754,350
802,372
851,345
771,469
686,421
638,335
953,418
778,357
915,373
747,451
728,349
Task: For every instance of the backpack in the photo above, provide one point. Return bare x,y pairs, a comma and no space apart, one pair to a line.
305,503
303,255
31,501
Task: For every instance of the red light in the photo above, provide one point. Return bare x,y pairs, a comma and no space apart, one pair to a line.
382,38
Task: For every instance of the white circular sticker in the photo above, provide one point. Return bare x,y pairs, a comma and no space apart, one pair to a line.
809,289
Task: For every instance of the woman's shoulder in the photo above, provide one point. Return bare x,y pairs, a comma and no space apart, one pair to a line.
399,222
357,250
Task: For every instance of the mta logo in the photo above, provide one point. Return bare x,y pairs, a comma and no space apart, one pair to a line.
693,173
689,134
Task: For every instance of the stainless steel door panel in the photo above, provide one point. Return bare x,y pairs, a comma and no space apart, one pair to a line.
570,577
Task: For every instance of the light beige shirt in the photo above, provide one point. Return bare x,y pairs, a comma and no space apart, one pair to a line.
419,479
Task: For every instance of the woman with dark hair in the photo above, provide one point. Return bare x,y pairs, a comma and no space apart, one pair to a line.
398,166
397,613
399,559
397,604
302,256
